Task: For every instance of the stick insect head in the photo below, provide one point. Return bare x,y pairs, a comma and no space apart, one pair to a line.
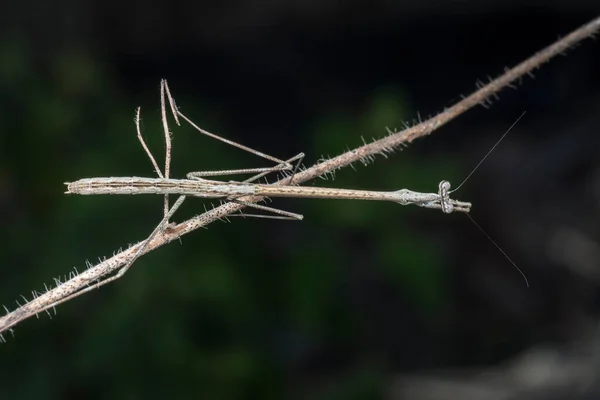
444,189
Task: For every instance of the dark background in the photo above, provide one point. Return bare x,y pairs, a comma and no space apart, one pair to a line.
359,298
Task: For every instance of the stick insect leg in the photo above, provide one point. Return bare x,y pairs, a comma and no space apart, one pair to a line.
159,228
297,160
296,168
230,142
144,146
283,166
165,93
281,214
149,153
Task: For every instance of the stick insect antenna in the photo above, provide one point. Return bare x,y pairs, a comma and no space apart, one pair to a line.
490,152
499,248
442,193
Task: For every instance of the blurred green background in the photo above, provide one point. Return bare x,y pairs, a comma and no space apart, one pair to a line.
335,306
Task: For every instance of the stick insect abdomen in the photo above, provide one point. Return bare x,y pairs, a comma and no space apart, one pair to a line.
138,185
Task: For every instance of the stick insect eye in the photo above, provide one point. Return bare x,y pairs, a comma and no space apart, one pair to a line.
445,186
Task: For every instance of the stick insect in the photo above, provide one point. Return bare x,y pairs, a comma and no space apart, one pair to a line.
197,185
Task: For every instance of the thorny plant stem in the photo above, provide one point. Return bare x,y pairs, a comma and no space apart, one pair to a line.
365,153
